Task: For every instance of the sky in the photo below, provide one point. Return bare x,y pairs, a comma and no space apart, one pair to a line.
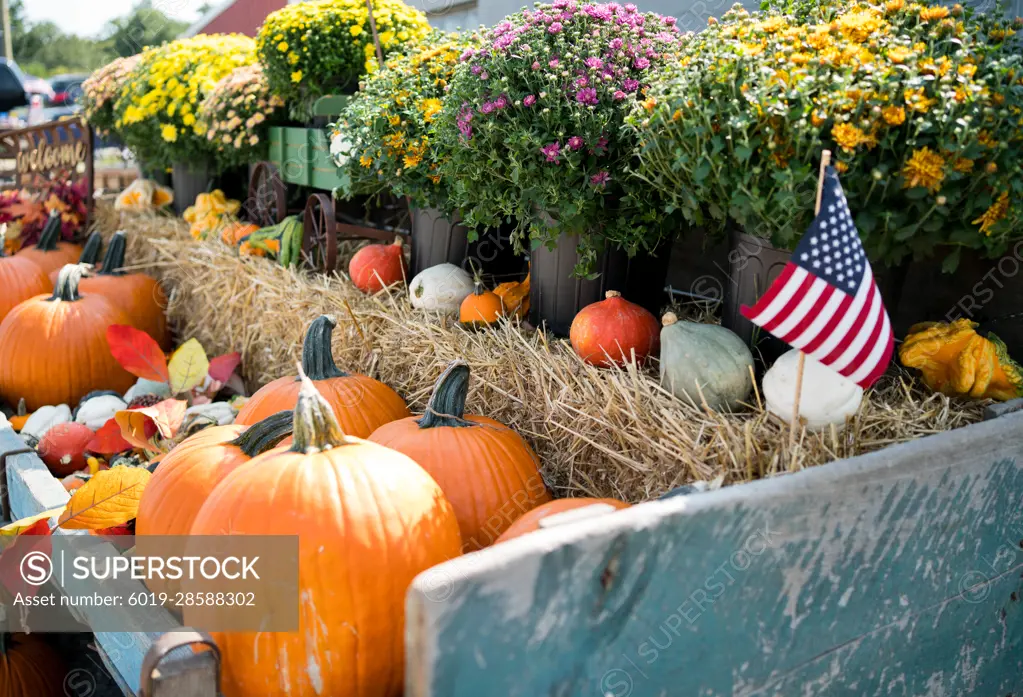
88,17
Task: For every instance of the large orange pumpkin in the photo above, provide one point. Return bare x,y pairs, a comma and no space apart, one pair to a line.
608,332
530,522
89,255
20,279
49,252
369,520
140,296
29,667
486,470
53,348
360,403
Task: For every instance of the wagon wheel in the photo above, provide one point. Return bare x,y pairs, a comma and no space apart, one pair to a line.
267,202
319,233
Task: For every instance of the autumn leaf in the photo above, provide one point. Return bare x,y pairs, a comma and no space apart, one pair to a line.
188,366
109,499
137,352
137,425
222,367
108,440
30,525
29,212
15,548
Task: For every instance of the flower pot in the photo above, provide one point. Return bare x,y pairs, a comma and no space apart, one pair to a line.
160,175
436,240
493,255
556,296
189,181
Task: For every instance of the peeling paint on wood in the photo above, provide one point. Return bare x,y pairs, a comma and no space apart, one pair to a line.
897,573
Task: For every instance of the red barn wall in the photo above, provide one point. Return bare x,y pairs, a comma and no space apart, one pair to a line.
242,17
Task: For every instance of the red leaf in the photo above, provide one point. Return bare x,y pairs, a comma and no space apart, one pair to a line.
138,426
108,440
222,367
11,576
137,352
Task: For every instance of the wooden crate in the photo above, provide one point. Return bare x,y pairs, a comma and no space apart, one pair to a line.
302,155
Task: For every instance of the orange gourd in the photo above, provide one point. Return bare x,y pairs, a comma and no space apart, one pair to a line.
62,448
140,296
20,279
481,307
376,266
233,233
53,348
608,332
89,255
369,520
530,522
49,253
486,470
29,667
360,403
515,297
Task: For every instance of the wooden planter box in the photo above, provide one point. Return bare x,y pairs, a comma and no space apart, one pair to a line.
302,155
898,572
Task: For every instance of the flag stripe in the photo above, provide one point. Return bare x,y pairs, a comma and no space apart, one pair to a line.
848,318
831,322
820,317
777,295
810,297
880,349
860,334
870,333
792,306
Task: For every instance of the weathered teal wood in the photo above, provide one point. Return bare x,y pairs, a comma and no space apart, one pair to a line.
896,573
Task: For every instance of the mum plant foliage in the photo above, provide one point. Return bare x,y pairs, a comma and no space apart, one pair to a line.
920,104
101,89
384,139
311,49
237,115
157,111
533,125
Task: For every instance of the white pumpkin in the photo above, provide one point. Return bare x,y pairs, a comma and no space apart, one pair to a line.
97,411
708,356
440,288
220,412
825,398
45,418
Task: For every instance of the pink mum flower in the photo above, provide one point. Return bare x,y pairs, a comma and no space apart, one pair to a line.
587,96
529,100
600,179
575,142
552,152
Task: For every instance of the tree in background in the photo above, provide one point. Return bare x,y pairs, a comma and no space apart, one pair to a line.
145,26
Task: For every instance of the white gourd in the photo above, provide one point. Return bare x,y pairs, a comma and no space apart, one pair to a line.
825,398
45,418
707,355
221,412
440,288
95,412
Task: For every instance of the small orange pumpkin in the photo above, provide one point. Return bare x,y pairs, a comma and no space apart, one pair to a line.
360,403
376,266
140,296
233,233
481,307
20,279
515,297
610,331
53,348
487,471
89,255
530,522
368,521
49,253
29,667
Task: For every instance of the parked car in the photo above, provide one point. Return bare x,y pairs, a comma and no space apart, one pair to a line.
12,87
67,88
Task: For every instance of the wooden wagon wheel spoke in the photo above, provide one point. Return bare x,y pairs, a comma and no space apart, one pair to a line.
319,238
267,200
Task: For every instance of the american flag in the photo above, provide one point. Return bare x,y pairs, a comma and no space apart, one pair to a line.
825,302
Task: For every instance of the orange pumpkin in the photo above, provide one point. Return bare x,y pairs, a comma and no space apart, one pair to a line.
20,279
608,332
376,266
29,667
360,403
140,296
50,253
233,233
89,255
486,470
53,348
515,297
481,307
530,522
369,520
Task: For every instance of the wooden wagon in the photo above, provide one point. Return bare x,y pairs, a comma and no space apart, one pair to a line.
894,573
300,177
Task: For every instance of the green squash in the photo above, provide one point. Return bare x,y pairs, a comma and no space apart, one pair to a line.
708,356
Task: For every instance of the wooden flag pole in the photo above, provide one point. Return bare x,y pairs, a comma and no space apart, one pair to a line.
825,161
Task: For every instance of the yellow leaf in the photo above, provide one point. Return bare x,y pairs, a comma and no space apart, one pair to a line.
15,528
187,366
110,498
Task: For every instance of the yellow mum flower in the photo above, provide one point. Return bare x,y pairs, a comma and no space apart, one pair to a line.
292,58
355,30
929,14
283,47
188,119
430,108
963,165
898,54
169,132
917,100
848,136
296,76
366,161
994,213
925,168
894,115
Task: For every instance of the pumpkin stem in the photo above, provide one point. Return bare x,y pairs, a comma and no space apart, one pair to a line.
113,260
669,319
3,643
260,437
315,427
22,408
612,294
447,404
90,252
66,288
317,358
397,241
3,240
50,235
